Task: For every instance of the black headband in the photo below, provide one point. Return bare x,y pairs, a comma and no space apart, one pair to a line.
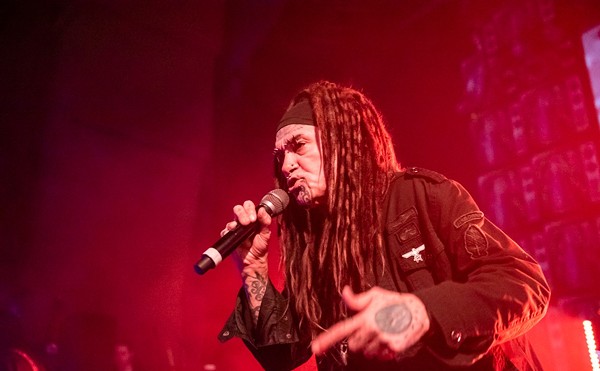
300,113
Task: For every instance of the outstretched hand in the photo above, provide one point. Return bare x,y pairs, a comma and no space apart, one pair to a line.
386,325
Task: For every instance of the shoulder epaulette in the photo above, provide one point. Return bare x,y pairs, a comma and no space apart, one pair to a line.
425,173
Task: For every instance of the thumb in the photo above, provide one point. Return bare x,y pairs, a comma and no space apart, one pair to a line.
356,302
263,218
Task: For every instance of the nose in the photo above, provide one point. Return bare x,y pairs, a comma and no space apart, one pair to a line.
289,163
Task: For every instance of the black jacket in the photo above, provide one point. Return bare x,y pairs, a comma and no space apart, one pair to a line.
482,291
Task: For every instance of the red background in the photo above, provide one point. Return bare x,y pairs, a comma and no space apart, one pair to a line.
130,129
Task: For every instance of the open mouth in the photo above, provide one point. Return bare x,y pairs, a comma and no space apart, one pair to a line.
291,183
296,185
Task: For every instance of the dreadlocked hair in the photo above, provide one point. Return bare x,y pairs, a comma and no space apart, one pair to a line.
326,248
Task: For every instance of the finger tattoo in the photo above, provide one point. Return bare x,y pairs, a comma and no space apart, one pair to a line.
393,319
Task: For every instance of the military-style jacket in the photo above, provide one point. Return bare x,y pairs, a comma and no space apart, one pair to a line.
482,291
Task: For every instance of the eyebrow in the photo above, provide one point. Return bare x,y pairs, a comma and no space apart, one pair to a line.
287,142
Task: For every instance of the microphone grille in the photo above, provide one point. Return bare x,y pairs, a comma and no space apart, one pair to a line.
276,201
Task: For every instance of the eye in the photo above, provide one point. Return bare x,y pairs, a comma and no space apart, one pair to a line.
297,145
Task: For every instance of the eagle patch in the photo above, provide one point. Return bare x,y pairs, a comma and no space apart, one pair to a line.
415,254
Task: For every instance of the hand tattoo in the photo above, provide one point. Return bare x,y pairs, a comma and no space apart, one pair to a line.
393,319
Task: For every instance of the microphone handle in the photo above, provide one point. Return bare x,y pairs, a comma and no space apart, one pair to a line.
225,246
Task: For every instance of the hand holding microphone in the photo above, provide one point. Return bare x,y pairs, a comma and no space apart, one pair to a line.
251,221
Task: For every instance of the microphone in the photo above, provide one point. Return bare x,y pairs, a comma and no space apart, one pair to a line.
273,202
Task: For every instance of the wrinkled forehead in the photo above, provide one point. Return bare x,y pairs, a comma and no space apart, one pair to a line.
288,132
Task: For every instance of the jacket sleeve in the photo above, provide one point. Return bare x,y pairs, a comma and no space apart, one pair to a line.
497,291
275,341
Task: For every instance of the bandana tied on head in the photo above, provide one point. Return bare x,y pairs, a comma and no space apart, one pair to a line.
300,113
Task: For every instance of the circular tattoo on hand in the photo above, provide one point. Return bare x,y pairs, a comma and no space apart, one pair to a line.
393,319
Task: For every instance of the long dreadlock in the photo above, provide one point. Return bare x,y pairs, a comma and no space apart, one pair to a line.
324,249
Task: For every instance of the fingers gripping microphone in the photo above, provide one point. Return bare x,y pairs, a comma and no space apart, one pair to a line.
273,202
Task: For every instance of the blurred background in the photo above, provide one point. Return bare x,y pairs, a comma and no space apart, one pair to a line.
129,129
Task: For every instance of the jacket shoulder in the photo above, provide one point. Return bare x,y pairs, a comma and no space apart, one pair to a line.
418,172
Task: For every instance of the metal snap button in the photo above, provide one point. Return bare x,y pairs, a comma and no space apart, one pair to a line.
456,336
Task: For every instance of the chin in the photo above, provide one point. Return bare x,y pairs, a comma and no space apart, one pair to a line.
310,203
304,202
303,197
306,199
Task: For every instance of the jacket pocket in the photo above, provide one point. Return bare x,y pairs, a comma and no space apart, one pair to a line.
408,249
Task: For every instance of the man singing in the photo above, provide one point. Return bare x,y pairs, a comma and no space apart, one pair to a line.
386,268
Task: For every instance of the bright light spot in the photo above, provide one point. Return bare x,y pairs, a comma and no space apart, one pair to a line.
591,344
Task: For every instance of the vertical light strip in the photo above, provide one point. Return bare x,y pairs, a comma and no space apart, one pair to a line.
591,344
591,48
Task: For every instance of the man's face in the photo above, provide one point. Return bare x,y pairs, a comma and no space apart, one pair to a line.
299,156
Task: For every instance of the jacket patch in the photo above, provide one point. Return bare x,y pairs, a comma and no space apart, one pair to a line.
476,243
408,232
403,218
468,217
415,254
